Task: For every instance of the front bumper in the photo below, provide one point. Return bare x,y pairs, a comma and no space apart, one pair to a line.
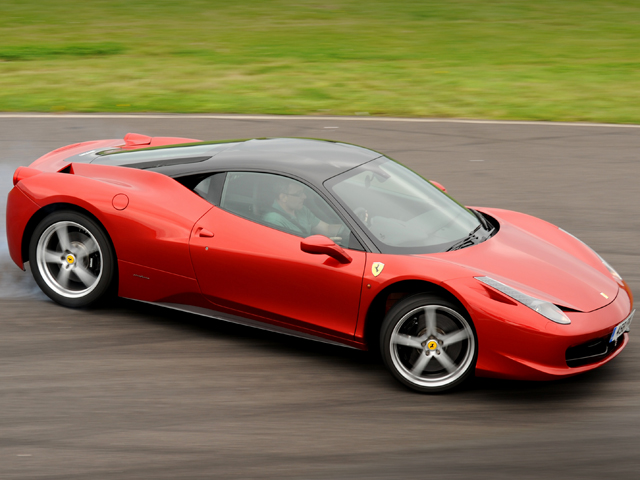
515,342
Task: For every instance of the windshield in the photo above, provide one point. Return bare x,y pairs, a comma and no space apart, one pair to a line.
401,211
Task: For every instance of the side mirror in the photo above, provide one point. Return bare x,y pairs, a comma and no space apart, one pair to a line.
321,245
439,185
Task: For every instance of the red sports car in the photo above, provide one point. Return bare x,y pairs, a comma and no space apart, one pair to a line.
322,240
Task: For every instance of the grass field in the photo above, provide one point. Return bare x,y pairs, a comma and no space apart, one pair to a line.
512,59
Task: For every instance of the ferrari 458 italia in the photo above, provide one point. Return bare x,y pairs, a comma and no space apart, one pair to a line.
323,240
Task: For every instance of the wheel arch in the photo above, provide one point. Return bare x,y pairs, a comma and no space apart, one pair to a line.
389,296
37,217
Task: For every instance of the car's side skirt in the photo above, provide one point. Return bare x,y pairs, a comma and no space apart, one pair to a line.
205,312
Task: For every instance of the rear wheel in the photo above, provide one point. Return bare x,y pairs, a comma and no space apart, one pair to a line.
428,343
71,259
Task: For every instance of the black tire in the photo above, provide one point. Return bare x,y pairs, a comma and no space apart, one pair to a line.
71,259
418,345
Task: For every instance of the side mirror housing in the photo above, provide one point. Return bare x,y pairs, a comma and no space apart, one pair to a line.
439,185
321,245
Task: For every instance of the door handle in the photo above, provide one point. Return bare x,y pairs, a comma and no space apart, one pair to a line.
203,232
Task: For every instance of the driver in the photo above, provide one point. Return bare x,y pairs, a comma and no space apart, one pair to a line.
288,211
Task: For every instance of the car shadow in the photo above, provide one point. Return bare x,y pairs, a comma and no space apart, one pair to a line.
553,391
366,363
205,326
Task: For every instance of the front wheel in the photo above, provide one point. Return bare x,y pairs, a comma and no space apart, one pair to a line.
71,259
428,343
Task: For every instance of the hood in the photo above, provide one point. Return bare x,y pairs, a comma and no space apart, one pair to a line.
536,266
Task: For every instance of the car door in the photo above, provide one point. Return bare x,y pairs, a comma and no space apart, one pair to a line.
248,260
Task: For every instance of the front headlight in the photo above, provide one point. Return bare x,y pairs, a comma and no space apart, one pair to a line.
612,270
546,309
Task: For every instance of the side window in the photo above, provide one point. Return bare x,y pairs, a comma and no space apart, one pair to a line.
208,186
284,204
202,188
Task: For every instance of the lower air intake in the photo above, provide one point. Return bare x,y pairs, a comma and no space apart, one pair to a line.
590,352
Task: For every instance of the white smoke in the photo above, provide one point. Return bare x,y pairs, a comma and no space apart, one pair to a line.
14,283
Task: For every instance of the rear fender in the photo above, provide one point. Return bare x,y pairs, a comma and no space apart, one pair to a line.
147,215
20,209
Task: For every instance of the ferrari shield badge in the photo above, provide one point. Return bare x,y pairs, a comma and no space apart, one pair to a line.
376,268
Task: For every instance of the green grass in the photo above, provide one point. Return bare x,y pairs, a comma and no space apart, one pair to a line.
32,52
570,60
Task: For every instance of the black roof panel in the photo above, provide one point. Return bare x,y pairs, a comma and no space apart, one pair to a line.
309,159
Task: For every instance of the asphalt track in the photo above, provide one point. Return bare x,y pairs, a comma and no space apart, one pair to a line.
132,391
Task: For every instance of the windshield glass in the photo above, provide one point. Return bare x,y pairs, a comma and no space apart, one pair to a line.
400,210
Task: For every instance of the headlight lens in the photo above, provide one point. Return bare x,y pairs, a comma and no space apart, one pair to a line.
612,270
546,309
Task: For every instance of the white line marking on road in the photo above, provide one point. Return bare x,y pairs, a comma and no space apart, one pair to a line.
331,127
132,116
476,160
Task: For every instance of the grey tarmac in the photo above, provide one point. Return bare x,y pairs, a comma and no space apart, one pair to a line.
131,391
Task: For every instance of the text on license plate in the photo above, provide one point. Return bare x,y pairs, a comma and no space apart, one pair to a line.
621,328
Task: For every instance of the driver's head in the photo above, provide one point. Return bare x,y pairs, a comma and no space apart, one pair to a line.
291,195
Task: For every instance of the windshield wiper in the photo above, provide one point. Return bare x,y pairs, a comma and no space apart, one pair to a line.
466,241
483,221
472,238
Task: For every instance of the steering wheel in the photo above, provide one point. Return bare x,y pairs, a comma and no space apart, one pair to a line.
363,215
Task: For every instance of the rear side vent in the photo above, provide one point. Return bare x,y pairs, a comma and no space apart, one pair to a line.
68,169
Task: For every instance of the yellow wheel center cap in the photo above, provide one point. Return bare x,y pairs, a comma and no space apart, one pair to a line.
71,259
432,345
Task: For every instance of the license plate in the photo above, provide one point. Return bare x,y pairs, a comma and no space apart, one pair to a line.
622,327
